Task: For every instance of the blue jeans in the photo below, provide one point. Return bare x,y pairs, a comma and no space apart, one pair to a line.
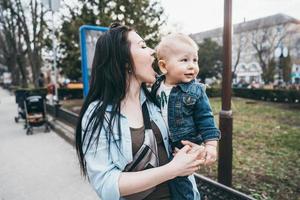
181,188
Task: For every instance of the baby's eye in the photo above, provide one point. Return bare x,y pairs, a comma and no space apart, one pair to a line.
184,60
195,60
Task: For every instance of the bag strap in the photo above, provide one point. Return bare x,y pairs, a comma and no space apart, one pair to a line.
146,116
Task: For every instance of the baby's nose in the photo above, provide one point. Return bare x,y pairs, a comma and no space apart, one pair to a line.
190,66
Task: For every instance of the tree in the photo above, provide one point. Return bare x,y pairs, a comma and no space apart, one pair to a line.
285,64
210,59
146,16
24,34
268,74
33,30
12,51
265,40
241,45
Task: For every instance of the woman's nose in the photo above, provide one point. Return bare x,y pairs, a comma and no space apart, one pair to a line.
152,52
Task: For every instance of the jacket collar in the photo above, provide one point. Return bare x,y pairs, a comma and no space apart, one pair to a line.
185,86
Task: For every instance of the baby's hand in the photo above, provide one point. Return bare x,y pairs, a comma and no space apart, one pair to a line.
210,149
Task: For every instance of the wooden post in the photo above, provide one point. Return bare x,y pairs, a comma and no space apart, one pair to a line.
226,119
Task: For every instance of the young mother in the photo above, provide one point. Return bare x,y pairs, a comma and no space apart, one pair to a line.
111,126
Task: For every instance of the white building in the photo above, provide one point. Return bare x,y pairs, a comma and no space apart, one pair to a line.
263,34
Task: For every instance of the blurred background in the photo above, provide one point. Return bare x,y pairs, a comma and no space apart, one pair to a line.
40,51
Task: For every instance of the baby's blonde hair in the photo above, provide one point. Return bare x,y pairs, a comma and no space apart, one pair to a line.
168,43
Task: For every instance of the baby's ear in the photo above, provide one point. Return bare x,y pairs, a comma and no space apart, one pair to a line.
162,66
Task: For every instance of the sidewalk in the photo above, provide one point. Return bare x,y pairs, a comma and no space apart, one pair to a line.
41,166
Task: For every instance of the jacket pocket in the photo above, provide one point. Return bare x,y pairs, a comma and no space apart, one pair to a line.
188,104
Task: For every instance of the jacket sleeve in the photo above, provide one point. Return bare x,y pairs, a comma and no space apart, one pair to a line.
203,117
102,172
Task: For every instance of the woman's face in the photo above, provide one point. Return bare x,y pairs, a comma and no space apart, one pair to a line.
142,57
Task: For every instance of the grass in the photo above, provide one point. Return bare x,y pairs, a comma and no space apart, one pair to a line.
266,146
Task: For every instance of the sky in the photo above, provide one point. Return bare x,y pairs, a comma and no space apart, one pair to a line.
192,16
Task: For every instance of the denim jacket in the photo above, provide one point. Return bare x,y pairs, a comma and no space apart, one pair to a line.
105,165
190,116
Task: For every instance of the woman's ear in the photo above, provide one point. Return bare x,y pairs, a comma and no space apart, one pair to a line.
162,66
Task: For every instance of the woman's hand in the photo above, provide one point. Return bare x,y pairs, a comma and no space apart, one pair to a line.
185,162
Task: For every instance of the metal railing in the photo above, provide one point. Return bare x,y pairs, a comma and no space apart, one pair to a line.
212,190
209,189
62,114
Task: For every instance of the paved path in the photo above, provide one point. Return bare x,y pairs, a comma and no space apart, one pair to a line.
41,166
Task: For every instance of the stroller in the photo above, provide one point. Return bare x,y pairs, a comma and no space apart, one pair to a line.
35,112
31,108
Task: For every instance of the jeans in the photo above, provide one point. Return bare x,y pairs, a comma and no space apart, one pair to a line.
181,188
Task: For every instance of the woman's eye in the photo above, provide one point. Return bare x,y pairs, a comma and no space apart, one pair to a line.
144,47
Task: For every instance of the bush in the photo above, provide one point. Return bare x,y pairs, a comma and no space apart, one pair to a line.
285,96
63,93
213,92
66,93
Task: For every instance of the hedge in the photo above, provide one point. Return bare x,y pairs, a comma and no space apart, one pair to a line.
63,93
285,96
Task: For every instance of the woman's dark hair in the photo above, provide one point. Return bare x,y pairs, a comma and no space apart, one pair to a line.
108,86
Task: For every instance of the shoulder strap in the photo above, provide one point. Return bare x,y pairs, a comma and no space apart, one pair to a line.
146,116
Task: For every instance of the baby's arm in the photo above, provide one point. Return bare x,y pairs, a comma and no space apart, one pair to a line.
205,124
203,117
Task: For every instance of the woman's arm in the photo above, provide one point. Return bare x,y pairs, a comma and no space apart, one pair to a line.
183,164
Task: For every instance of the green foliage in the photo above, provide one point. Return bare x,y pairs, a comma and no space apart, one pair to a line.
291,96
63,93
66,93
145,16
210,59
213,92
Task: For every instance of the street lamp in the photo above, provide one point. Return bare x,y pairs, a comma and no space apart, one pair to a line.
53,5
280,52
226,118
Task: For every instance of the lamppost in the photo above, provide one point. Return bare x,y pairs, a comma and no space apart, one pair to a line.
226,119
280,52
53,5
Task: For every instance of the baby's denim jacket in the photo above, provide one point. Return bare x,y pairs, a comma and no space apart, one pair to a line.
190,116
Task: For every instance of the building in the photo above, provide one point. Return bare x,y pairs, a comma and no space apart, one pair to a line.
277,33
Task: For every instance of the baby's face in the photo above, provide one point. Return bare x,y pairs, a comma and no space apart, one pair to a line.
181,64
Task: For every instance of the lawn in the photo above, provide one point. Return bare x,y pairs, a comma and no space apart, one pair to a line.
266,146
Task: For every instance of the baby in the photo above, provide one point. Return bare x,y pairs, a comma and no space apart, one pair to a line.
184,104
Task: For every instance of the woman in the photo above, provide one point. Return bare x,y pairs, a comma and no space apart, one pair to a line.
111,117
